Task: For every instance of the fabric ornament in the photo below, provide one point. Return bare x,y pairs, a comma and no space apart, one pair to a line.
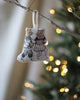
34,48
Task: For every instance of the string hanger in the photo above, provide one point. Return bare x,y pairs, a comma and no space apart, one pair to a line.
35,18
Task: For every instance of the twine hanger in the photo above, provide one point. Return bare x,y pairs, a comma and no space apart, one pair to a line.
35,18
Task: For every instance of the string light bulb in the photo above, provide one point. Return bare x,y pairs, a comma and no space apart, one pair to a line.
52,11
78,58
51,58
46,43
55,69
79,7
45,62
58,31
31,85
65,70
63,67
75,96
63,74
49,68
64,62
66,89
27,84
57,62
79,30
62,90
69,9
79,44
23,97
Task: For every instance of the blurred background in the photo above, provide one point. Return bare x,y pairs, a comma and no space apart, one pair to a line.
13,21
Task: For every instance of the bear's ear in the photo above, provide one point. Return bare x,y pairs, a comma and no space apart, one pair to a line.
26,29
30,30
38,30
42,31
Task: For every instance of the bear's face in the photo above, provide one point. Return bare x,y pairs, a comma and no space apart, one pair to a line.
28,32
40,34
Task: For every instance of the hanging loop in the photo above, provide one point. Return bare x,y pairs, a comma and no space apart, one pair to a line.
35,19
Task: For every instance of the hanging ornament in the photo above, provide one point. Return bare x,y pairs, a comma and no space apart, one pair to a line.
34,48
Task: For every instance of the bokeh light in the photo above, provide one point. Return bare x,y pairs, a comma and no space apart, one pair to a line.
52,11
79,44
57,62
75,96
62,90
66,89
45,62
23,97
51,58
55,69
69,9
49,68
58,31
46,43
78,58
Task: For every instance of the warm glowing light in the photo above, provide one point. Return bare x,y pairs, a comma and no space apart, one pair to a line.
79,44
51,58
63,67
31,85
23,97
49,68
65,70
79,7
78,58
69,9
45,62
55,69
52,11
64,62
57,62
66,90
63,74
46,43
75,96
79,30
58,31
27,84
62,90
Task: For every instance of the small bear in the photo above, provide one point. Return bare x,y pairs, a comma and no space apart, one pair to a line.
28,44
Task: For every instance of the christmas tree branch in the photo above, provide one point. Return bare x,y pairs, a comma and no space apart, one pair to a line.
50,21
76,15
73,12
